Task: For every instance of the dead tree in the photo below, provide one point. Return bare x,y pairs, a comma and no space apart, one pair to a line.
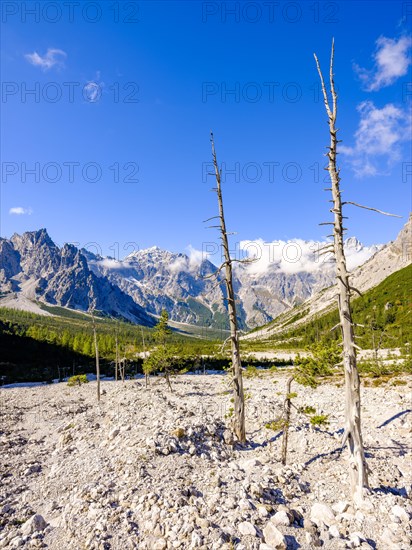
146,374
123,368
116,368
286,410
238,393
96,349
352,432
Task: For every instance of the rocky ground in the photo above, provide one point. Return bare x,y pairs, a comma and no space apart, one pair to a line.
154,470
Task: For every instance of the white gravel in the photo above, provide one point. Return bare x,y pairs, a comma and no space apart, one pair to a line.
151,469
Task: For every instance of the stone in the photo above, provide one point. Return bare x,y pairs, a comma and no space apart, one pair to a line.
245,504
246,528
203,523
250,464
313,540
274,537
389,539
160,544
196,540
334,531
263,513
322,514
35,523
340,507
400,513
296,516
228,437
355,540
281,518
16,542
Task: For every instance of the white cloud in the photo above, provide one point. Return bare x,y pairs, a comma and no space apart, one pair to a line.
180,264
378,138
297,255
52,58
20,211
191,263
290,256
196,257
111,263
392,60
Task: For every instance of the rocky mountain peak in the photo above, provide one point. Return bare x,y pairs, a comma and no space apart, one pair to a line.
353,242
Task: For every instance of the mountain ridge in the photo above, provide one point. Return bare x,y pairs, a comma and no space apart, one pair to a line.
389,259
149,280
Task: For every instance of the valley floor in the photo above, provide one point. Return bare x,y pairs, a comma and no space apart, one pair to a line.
154,470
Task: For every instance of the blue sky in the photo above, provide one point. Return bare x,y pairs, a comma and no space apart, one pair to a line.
116,134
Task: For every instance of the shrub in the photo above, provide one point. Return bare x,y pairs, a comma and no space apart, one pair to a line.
398,382
319,420
276,425
77,380
307,410
324,356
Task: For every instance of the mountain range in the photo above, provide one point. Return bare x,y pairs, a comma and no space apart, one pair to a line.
34,271
389,259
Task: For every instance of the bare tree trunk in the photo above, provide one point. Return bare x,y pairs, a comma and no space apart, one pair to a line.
352,433
123,368
96,349
375,350
238,393
146,375
286,412
117,353
168,380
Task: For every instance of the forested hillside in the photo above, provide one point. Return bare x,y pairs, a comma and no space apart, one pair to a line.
384,312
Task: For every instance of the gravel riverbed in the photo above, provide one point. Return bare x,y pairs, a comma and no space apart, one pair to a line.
152,469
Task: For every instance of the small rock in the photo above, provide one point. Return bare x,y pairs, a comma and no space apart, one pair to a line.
334,531
322,513
313,540
297,517
281,518
389,539
340,507
359,516
179,433
160,544
274,537
355,540
400,513
228,437
16,542
246,528
250,464
35,523
245,504
203,523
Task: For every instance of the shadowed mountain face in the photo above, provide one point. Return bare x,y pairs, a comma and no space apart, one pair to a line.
33,266
140,286
158,279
